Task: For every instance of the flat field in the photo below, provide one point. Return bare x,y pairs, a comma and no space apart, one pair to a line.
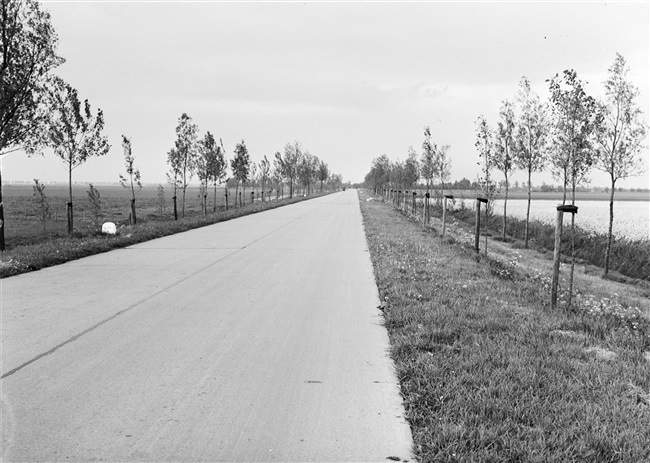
24,223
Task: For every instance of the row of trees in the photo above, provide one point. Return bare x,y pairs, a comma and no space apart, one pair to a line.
568,135
40,110
206,159
433,166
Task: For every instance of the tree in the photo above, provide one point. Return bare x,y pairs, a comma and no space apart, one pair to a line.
323,173
291,163
74,132
427,160
442,167
530,138
133,174
28,49
240,166
620,135
504,147
307,168
186,152
95,200
174,175
278,174
209,167
574,121
411,169
265,172
485,146
42,202
218,170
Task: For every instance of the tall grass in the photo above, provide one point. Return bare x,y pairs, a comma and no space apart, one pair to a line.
488,372
628,257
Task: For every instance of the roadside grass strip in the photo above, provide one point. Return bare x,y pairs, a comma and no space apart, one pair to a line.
87,242
488,372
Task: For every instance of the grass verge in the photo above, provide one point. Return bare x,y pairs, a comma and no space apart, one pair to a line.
30,257
628,257
488,372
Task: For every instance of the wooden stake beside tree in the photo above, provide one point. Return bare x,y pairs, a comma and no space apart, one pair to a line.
133,173
575,119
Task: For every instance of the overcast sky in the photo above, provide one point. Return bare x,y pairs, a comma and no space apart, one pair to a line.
351,81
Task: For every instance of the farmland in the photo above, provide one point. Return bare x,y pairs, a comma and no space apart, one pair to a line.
24,223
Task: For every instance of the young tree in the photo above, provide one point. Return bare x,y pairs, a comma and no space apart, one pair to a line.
28,50
442,167
133,179
530,138
42,202
485,146
95,200
323,173
209,167
240,166
574,118
265,172
218,171
162,202
278,174
173,176
291,163
74,132
504,147
428,158
620,135
411,169
186,151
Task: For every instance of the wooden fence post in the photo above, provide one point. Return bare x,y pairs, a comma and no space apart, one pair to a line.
556,252
414,208
425,211
444,213
477,230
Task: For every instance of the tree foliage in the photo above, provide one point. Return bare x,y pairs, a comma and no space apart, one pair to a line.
28,49
240,165
504,144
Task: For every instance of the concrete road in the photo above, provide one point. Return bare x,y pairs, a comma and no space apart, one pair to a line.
256,339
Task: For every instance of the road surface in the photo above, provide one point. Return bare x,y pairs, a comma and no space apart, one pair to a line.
256,339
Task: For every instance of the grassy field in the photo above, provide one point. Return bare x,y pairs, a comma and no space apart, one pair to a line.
488,372
24,224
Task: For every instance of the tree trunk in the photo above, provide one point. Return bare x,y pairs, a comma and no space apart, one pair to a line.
505,209
70,219
573,244
527,211
2,217
135,220
214,202
175,208
608,249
